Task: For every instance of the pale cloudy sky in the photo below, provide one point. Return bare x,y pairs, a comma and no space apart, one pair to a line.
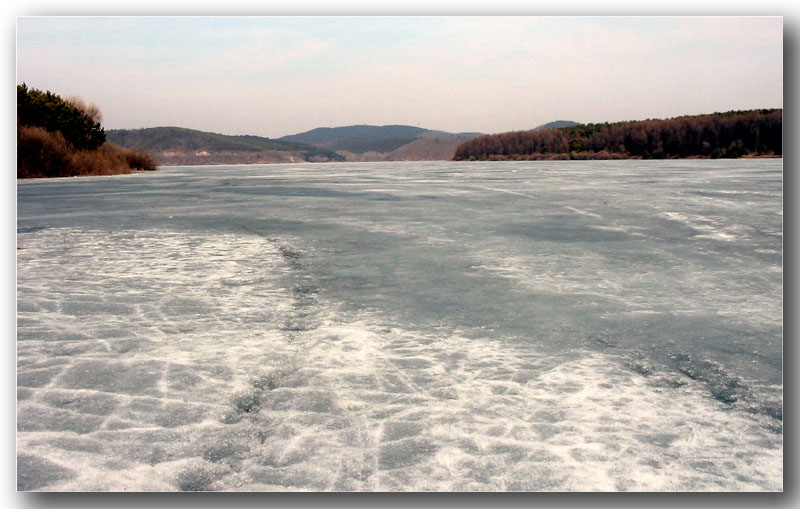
273,76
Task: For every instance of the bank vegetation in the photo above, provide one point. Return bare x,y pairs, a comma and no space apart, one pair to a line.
59,137
719,135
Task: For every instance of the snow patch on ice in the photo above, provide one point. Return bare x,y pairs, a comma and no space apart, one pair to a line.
228,369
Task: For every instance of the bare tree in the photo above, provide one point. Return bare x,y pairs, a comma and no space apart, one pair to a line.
91,110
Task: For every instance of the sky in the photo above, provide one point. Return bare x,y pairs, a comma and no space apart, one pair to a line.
275,76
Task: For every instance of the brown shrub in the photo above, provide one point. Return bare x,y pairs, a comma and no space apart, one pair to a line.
97,162
41,153
137,159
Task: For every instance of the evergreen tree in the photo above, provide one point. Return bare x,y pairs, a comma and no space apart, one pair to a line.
49,111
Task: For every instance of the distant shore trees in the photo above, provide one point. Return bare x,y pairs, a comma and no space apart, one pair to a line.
58,138
728,135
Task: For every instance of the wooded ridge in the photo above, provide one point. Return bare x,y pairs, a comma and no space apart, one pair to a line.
730,134
180,146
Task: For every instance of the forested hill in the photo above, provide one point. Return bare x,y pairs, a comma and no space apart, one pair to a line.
334,135
177,145
730,134
383,143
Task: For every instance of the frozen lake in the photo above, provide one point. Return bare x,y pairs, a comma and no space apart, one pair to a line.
403,326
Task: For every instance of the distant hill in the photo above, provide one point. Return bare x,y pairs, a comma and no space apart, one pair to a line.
556,124
731,134
178,146
332,135
365,144
383,143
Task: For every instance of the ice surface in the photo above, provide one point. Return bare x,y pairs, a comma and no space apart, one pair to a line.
436,326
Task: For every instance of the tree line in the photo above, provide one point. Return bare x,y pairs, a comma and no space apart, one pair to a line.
719,135
59,137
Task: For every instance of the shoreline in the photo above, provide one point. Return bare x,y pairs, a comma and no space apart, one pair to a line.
581,157
395,162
